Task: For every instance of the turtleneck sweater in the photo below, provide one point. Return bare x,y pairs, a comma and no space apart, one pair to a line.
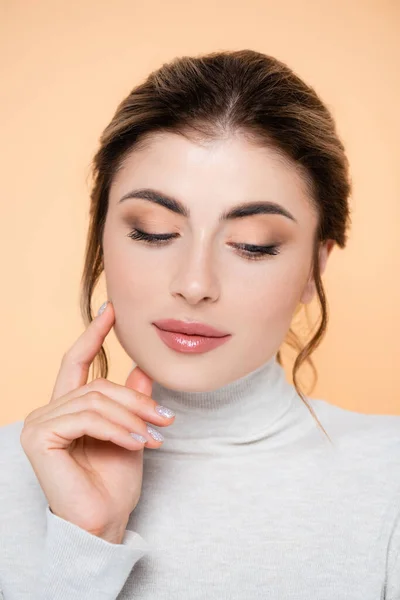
246,498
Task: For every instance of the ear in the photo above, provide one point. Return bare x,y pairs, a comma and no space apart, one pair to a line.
310,289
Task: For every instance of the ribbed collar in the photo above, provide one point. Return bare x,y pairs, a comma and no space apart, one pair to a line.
245,410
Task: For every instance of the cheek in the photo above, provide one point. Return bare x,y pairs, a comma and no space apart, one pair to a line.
270,292
130,278
131,290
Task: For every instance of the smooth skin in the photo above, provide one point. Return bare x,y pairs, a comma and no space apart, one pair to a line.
79,444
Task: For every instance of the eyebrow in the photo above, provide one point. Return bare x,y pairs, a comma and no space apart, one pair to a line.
237,212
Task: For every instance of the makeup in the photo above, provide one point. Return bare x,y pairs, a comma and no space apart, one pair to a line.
197,344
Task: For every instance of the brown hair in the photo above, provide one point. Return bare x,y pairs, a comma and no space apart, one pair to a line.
216,95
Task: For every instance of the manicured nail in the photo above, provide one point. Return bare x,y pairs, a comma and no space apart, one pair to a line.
102,308
155,434
163,411
139,437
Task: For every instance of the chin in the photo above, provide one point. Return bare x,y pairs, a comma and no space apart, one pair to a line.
193,378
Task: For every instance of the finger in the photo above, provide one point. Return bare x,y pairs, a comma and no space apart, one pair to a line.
136,402
140,381
107,408
60,432
76,362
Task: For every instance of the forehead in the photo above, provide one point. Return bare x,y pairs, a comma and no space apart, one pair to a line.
213,175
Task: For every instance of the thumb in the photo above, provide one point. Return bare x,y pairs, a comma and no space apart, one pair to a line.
139,381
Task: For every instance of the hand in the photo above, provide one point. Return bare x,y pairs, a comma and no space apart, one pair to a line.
79,444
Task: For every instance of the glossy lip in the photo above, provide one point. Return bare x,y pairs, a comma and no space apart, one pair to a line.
194,344
189,328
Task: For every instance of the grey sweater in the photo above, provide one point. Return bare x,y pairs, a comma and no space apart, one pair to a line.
245,499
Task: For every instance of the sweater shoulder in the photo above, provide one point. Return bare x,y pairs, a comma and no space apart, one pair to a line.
370,433
350,420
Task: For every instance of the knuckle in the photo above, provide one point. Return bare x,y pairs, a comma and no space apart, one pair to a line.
23,440
100,383
94,400
22,435
143,399
26,435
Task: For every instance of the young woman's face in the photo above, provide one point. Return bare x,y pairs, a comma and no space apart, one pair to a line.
207,272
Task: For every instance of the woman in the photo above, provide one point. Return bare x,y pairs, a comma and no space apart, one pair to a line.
220,189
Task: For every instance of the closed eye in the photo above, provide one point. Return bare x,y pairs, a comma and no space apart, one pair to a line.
250,251
151,238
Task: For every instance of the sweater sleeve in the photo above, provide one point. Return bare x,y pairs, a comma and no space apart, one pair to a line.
81,566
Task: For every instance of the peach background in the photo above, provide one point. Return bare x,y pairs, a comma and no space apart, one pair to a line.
65,67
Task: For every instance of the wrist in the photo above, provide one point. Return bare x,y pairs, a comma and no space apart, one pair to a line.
114,535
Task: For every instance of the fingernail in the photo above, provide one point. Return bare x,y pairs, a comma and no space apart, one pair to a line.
139,437
155,434
163,411
102,308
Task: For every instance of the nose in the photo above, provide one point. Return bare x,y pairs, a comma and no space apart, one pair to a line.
195,278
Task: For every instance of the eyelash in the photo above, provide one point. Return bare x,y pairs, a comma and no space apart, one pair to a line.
256,253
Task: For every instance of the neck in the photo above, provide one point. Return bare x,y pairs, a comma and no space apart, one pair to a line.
243,411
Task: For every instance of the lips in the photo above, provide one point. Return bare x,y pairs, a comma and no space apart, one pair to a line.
189,328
